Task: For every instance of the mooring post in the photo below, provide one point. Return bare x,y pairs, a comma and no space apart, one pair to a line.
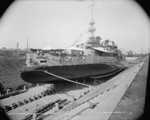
24,87
56,106
8,90
34,116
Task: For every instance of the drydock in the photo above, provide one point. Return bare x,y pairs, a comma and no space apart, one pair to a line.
91,100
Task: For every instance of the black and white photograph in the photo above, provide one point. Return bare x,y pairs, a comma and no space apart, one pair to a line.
74,60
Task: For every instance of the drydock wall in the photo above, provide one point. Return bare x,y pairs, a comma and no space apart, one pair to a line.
106,95
110,100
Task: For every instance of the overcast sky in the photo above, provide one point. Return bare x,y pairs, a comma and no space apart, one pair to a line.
60,23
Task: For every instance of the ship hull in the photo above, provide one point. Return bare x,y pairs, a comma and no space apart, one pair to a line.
73,72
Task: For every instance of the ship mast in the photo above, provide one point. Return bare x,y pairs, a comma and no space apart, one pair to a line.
91,28
92,5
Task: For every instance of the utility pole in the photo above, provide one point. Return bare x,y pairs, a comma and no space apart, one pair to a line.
17,49
27,44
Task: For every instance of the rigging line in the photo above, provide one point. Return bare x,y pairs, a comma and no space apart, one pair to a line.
85,30
67,79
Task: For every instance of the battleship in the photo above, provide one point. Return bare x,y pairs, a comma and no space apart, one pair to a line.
81,60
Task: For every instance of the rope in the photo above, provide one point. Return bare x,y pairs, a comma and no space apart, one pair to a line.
67,79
